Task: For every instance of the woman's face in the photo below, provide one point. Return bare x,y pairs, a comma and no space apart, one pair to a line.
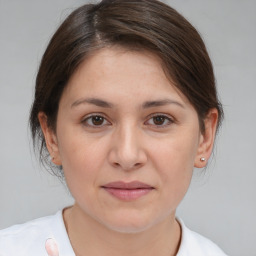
127,140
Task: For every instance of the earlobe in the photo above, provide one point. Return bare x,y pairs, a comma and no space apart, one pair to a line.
207,139
50,139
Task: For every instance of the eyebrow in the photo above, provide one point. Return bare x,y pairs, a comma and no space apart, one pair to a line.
93,101
105,104
159,103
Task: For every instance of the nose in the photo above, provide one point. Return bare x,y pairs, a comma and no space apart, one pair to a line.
127,152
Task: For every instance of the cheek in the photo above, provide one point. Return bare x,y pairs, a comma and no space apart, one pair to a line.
176,153
81,158
82,165
174,160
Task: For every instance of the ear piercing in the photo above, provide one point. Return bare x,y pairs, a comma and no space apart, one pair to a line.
202,159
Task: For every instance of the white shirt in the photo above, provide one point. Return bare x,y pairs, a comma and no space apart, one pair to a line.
29,239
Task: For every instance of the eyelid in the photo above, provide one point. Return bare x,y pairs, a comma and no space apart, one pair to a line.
106,119
87,117
167,116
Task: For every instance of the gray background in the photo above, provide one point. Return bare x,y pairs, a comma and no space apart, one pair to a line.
221,202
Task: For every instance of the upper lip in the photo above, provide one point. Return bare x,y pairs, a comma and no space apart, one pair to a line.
126,185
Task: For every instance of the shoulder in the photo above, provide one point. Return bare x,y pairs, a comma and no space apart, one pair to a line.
194,244
29,238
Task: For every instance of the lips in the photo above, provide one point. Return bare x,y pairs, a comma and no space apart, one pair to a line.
127,191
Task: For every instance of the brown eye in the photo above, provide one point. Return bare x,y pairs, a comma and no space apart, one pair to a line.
159,120
97,120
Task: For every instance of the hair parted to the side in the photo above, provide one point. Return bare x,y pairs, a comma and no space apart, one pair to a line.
133,24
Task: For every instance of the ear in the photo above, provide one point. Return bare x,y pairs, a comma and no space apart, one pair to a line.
50,139
207,138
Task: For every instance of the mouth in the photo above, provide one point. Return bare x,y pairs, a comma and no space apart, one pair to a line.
127,191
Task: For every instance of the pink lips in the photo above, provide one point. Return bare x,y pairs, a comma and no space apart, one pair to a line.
127,191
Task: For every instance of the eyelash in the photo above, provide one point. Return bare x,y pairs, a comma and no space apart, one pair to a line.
164,116
86,119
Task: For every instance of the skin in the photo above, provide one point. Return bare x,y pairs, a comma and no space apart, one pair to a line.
135,140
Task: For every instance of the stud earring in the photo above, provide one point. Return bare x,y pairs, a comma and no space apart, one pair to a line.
202,159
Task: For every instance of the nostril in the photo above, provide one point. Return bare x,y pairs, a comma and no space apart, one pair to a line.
127,167
128,160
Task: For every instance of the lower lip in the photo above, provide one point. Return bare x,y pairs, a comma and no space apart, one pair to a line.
128,194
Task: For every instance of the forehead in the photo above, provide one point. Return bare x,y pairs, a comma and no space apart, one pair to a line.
111,72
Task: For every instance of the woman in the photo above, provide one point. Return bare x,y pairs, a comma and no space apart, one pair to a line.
125,107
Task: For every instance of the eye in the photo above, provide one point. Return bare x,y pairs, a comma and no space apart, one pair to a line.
160,120
95,121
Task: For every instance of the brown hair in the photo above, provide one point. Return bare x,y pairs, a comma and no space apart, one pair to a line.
133,24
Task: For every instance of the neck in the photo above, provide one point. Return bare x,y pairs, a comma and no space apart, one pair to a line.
89,237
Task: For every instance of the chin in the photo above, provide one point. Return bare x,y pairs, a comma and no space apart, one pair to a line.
130,224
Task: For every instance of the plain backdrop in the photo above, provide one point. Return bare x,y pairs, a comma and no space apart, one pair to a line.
221,202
